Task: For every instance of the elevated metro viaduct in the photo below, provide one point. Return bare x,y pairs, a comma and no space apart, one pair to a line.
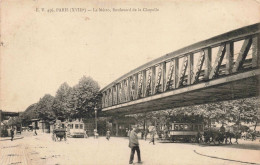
221,68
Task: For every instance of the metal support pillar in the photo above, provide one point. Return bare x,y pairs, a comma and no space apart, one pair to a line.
190,68
176,72
136,86
256,52
153,80
163,76
144,83
128,89
229,57
207,63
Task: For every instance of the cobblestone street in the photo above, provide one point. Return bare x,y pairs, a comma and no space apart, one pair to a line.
41,150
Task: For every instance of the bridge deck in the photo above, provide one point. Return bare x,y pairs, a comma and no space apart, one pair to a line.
241,85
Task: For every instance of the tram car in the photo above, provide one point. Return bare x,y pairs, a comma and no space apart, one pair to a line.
76,129
186,132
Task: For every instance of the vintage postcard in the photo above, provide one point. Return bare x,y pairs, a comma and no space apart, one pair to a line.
110,82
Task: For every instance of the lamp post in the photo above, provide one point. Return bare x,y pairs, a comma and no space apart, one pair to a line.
95,116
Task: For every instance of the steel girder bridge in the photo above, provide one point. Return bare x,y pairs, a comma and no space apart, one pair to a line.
221,68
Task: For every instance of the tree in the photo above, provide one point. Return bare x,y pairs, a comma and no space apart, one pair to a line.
243,110
29,114
83,98
44,108
60,102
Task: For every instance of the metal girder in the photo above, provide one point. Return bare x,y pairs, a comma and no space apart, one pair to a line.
123,92
148,86
163,76
218,61
128,88
196,75
176,72
229,57
242,55
256,51
190,68
132,89
207,60
183,71
158,79
140,87
153,76
210,86
136,86
144,83
116,96
169,77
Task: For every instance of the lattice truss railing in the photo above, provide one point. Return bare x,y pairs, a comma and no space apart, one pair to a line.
199,65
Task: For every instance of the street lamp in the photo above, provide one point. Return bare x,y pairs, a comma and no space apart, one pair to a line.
95,116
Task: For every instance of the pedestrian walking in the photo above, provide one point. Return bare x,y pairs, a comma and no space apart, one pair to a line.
86,134
108,135
12,134
237,136
35,132
95,134
129,131
134,145
146,133
126,132
152,137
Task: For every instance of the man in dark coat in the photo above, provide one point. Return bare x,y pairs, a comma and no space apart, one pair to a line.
134,145
12,134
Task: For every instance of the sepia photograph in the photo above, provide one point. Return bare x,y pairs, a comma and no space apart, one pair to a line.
142,82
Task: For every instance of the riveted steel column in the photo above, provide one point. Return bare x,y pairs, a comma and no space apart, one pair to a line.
176,72
229,57
153,80
163,76
256,51
207,63
218,61
103,99
128,88
190,68
136,86
117,94
112,95
144,83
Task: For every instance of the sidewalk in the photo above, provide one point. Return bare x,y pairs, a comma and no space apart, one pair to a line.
230,154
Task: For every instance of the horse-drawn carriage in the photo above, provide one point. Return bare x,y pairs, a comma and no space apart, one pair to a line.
59,133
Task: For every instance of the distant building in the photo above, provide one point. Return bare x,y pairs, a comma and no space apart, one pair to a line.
5,115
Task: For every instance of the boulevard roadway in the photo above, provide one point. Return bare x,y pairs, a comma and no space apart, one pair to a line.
41,150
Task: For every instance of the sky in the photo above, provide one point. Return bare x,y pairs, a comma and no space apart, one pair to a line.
40,50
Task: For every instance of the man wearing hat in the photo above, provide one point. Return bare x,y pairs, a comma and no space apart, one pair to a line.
134,145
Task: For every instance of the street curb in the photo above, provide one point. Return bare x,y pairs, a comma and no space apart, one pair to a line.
9,139
215,157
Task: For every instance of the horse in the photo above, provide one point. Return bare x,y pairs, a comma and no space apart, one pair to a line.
229,135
